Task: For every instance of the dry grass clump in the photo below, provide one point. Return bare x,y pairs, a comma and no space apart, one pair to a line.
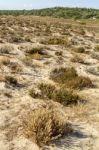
27,61
11,80
77,59
93,70
45,124
6,49
61,95
1,78
37,53
56,41
79,50
35,50
69,78
95,56
97,48
4,60
15,68
59,53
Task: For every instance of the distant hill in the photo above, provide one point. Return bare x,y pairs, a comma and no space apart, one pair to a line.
58,12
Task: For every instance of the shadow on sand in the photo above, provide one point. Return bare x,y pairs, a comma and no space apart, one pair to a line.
71,141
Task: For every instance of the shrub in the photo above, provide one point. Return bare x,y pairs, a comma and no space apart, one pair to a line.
79,83
35,50
37,53
97,48
95,56
15,67
45,91
69,78
55,41
45,124
66,97
77,59
49,92
27,61
11,80
6,49
61,75
79,50
4,60
59,53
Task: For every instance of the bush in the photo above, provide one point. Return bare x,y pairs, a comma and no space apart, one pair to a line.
35,50
79,50
59,53
4,60
97,48
79,83
55,41
11,80
49,92
6,49
61,75
66,97
45,124
37,53
69,78
77,59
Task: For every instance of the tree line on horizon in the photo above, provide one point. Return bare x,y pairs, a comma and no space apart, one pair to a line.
57,12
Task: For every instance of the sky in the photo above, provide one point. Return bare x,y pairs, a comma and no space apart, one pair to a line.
36,4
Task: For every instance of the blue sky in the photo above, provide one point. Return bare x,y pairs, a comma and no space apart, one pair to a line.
29,4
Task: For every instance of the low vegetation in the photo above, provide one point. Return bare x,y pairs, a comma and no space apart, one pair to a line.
11,80
58,12
45,124
69,78
61,95
55,41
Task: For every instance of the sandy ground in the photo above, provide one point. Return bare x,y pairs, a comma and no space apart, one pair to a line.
84,118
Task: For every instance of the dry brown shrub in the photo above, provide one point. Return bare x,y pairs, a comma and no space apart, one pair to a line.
4,60
45,124
6,49
15,68
77,59
69,78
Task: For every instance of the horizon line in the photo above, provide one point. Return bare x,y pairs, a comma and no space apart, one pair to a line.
49,8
